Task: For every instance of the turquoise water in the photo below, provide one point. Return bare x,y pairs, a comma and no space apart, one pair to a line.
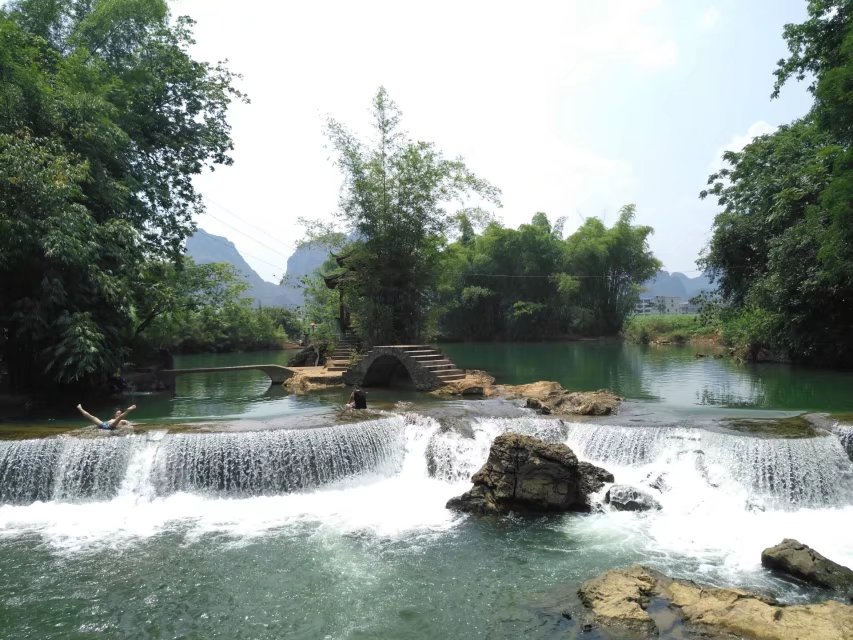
670,376
240,511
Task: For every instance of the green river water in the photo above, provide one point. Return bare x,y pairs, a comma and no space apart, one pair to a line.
280,518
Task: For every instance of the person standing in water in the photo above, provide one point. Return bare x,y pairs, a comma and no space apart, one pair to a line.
357,399
118,419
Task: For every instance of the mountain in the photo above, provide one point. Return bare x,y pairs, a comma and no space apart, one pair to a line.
204,247
675,284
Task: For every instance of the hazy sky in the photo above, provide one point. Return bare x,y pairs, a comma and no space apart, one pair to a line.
573,108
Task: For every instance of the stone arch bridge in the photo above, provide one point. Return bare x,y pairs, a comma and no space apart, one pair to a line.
416,365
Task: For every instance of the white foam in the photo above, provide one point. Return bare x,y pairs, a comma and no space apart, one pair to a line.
709,514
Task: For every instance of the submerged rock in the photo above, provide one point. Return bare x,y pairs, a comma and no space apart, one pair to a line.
549,398
527,475
624,498
621,598
795,559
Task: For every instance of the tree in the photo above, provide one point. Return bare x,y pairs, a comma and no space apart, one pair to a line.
104,119
530,284
782,246
395,197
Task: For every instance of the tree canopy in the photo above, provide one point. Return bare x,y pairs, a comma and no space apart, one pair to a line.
104,119
782,246
396,198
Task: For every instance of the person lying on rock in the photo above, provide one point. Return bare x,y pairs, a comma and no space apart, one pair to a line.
357,399
118,419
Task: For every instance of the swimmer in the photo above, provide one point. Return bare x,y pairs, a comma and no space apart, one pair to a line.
358,399
118,419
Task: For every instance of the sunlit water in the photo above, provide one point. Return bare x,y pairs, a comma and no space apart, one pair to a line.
340,530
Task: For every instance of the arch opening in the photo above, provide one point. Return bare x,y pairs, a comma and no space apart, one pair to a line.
387,371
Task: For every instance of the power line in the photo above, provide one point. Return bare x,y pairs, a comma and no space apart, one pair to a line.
241,232
246,222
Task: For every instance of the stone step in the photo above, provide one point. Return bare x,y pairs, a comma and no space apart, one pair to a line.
336,369
439,364
445,372
447,377
426,357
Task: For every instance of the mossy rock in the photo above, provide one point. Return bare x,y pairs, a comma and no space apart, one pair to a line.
793,427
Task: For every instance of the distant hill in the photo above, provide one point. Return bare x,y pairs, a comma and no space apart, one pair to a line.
204,248
675,284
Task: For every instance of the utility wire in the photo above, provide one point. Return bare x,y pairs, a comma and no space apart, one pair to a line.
246,222
241,232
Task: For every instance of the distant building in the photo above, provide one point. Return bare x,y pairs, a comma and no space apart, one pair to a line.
665,305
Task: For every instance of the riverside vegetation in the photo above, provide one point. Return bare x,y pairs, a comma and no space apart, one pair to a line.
104,127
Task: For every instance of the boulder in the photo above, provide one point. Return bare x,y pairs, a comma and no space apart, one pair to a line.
310,356
527,475
550,398
622,497
622,598
794,559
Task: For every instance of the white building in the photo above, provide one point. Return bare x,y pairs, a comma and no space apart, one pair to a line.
665,305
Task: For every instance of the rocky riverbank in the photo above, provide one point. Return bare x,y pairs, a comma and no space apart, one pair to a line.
544,397
646,604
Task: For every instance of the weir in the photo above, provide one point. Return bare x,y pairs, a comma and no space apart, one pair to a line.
74,469
686,465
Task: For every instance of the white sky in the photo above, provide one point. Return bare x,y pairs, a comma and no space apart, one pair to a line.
573,108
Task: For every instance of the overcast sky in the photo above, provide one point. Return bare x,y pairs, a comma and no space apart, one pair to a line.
574,108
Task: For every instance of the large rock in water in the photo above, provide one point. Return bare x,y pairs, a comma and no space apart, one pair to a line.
550,398
527,475
797,560
621,497
621,598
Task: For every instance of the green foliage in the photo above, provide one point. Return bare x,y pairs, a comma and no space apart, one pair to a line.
666,328
193,308
104,119
531,284
782,248
395,198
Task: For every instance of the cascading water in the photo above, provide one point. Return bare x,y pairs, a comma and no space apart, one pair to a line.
845,435
70,469
770,472
783,473
397,473
62,468
276,461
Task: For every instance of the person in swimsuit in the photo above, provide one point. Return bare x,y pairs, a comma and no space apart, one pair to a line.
357,400
118,419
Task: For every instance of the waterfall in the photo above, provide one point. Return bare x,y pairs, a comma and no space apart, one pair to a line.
684,465
276,461
628,445
845,435
782,472
62,468
75,469
760,472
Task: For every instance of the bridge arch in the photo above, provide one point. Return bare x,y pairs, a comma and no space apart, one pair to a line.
420,366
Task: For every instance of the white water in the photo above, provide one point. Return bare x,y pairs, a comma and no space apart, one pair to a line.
725,497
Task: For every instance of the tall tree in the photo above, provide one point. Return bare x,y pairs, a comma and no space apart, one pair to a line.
396,198
787,199
105,119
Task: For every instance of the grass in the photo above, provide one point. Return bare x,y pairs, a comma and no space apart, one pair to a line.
677,329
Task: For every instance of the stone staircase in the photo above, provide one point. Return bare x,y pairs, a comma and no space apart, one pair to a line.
341,358
433,360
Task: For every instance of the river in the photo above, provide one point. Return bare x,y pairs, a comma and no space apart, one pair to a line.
238,511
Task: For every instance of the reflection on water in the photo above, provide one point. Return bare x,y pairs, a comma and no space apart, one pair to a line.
671,376
670,382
